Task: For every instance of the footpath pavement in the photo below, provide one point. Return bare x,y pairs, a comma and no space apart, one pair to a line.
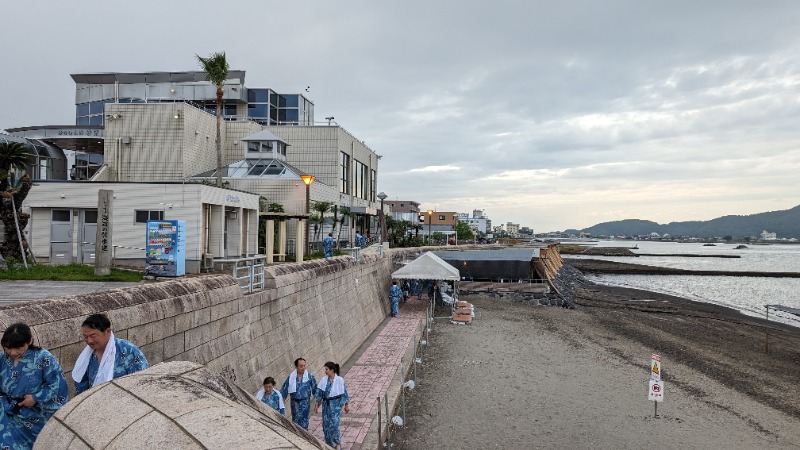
25,290
379,370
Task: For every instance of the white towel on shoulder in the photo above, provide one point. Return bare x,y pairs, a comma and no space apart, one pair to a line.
105,371
293,380
262,393
337,388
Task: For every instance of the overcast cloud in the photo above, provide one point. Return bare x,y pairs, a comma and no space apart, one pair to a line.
550,114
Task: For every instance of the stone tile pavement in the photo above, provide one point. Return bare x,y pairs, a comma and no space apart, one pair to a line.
24,290
375,373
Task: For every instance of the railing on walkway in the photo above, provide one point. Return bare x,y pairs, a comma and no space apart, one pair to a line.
247,271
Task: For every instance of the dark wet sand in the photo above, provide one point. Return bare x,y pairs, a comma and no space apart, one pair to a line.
546,377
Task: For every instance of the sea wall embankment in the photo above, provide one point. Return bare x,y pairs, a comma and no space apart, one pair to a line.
321,310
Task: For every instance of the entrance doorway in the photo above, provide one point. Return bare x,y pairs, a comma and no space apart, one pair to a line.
60,236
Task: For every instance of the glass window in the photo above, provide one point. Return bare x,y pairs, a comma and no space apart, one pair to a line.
90,216
95,120
258,110
441,217
287,115
258,95
257,170
274,169
253,146
96,107
82,121
344,172
289,101
143,215
82,109
61,215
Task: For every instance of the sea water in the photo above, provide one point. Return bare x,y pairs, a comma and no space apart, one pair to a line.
746,294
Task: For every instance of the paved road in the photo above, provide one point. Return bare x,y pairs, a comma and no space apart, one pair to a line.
18,291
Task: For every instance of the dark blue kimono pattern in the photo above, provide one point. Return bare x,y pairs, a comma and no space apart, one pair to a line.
331,413
129,359
273,400
301,399
37,373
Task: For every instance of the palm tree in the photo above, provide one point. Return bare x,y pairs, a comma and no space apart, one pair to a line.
321,208
216,69
14,156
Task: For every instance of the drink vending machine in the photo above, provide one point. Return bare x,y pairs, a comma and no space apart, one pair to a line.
166,248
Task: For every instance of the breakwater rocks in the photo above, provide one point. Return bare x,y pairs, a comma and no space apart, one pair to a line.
567,282
603,251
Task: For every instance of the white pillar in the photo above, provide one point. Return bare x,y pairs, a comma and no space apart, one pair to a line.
300,242
270,238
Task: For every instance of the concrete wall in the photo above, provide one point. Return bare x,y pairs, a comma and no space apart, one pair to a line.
321,310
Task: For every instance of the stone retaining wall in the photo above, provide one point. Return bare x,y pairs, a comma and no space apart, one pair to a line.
321,310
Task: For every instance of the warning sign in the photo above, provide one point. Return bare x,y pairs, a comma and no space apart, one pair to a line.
656,391
655,367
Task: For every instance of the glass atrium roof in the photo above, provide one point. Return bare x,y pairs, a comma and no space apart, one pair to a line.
255,168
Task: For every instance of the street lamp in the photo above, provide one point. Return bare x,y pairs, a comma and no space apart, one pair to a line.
382,195
430,213
308,179
455,226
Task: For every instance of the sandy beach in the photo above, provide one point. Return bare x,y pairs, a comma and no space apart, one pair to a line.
524,376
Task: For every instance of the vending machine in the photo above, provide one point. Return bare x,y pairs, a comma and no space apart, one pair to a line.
166,248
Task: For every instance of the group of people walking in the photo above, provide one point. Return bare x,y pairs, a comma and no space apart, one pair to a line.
300,387
32,383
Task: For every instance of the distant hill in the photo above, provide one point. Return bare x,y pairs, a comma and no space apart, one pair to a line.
785,223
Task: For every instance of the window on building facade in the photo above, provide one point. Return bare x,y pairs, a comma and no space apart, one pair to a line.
344,172
143,215
373,182
441,217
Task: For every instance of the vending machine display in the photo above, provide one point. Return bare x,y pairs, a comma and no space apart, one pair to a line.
166,248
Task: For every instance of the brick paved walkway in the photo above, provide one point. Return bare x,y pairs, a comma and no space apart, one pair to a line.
374,373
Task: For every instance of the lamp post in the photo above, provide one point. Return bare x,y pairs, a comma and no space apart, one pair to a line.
382,195
430,215
455,226
308,179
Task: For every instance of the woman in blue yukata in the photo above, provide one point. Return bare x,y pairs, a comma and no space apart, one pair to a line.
331,393
269,395
299,387
33,388
104,357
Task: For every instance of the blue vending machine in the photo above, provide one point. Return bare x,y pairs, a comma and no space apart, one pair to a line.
166,248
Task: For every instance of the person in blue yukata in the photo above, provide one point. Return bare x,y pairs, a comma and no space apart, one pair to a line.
328,243
104,357
299,388
32,388
332,394
270,396
361,241
394,297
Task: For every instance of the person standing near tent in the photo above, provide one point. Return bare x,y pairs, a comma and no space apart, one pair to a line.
406,289
394,297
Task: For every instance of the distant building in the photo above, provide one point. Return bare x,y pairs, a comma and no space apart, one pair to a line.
407,210
767,236
479,222
512,228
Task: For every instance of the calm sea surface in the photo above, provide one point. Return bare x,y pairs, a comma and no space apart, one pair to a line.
747,294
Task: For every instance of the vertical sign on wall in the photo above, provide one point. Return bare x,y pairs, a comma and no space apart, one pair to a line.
103,246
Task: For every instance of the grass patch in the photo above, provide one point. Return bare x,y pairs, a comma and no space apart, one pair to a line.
70,272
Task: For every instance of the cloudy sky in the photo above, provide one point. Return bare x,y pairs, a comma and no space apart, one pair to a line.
550,114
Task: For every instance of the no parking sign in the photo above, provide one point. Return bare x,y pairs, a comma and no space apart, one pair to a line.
656,391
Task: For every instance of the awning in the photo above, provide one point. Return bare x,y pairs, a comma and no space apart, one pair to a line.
428,267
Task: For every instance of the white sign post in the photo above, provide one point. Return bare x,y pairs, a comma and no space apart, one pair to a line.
655,391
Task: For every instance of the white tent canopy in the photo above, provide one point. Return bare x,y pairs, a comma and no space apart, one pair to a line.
428,267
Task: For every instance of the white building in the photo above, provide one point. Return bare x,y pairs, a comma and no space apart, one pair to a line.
767,236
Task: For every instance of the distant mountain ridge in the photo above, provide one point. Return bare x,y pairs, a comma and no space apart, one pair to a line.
785,223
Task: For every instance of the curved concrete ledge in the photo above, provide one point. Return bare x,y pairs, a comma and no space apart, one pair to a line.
179,405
